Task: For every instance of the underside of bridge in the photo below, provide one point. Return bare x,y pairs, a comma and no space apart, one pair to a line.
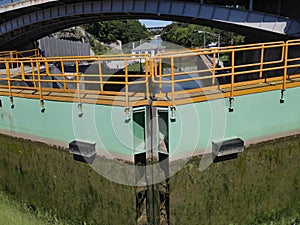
23,22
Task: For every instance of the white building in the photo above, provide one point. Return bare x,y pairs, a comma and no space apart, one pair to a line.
147,48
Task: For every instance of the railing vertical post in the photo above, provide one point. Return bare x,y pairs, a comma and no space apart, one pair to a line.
8,81
214,69
262,61
160,75
151,76
173,81
11,56
126,89
100,74
232,73
285,65
39,78
78,82
147,76
40,85
80,114
22,71
46,67
33,73
63,73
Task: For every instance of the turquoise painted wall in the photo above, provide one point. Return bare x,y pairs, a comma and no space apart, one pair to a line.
103,125
196,126
254,116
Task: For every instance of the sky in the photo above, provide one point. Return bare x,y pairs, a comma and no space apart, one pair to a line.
155,23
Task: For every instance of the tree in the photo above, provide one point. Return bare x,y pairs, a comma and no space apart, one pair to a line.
187,35
124,30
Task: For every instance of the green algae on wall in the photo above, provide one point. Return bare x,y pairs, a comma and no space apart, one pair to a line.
47,179
260,187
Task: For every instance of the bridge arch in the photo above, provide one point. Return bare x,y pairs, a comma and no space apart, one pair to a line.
23,25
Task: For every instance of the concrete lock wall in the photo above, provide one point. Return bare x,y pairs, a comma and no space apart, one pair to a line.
61,124
255,118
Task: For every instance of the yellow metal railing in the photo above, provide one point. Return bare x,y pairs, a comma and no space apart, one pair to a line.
250,65
171,78
64,75
20,54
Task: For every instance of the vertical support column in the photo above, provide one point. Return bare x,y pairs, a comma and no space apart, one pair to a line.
163,157
153,210
139,118
152,197
251,5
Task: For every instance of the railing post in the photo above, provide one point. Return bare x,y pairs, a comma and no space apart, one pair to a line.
23,71
100,74
80,114
33,73
9,84
147,76
173,81
126,90
62,65
262,61
173,90
285,66
214,69
232,73
11,56
231,98
285,74
160,75
46,66
40,86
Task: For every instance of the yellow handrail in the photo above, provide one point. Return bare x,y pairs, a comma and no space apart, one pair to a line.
113,75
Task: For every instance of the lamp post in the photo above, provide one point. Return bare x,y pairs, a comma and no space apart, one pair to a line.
213,34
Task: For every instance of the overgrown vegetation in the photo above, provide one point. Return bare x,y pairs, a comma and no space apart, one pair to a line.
260,187
15,213
48,180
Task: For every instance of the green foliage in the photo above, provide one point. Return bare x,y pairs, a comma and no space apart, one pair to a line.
123,30
15,213
49,181
97,47
187,35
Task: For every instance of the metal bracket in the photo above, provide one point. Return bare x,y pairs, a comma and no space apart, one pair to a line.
231,101
42,106
80,113
173,116
12,106
127,114
282,96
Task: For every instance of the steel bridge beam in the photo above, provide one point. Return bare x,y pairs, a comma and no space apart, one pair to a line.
19,28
